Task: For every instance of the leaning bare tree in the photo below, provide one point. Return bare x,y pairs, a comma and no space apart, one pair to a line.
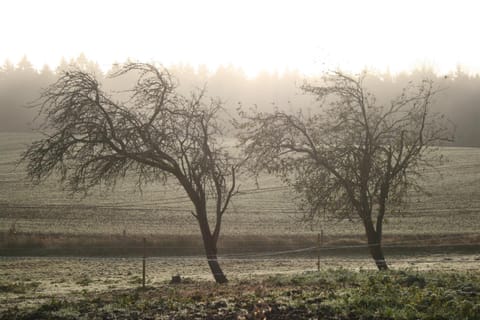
158,134
353,157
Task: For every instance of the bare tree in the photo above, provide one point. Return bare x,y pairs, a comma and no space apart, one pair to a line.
156,135
354,157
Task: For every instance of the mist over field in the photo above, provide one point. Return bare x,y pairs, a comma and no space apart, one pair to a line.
244,160
136,253
264,208
21,85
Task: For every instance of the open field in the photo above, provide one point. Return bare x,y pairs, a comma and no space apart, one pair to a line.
435,241
430,287
45,220
453,208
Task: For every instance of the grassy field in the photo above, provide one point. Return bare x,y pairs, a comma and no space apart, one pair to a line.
44,215
438,287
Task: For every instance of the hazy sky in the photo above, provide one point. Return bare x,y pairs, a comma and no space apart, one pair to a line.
254,35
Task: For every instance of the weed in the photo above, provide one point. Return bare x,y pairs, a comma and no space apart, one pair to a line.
18,287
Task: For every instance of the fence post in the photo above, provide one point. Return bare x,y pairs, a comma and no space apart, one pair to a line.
319,246
144,258
318,252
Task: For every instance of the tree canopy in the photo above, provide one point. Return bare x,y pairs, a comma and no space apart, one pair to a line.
155,135
351,156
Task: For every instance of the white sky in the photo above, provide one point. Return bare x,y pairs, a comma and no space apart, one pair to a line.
255,35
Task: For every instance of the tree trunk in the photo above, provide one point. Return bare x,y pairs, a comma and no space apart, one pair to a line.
376,252
215,267
375,246
210,246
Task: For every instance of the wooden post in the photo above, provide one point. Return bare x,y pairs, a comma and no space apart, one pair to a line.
319,246
318,252
321,239
144,258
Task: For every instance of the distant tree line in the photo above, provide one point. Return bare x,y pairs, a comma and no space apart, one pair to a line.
21,83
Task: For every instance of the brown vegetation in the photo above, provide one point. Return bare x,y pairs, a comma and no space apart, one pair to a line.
58,244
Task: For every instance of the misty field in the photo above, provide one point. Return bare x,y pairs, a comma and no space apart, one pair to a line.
264,209
432,244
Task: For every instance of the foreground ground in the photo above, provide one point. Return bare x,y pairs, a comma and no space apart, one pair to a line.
425,287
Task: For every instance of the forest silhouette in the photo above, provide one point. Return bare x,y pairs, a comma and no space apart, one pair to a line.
459,99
